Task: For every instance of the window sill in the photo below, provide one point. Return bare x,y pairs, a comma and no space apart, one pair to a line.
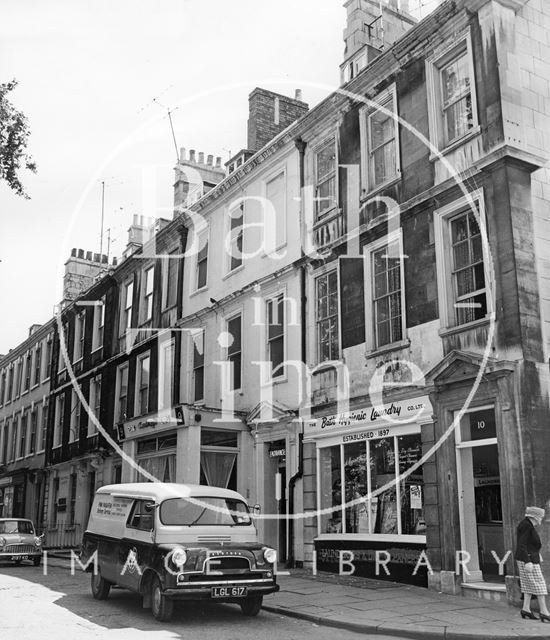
388,348
449,331
275,252
321,218
96,349
24,393
35,386
368,195
235,270
473,133
168,307
199,291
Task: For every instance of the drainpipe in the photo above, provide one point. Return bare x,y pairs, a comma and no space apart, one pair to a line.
301,146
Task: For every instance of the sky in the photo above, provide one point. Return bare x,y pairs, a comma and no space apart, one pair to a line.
96,81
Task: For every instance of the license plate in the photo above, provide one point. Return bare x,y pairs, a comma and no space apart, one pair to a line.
14,558
229,592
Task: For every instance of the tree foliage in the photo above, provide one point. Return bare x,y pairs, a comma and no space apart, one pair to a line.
14,134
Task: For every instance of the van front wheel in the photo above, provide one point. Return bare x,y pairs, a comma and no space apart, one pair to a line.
161,606
100,586
252,605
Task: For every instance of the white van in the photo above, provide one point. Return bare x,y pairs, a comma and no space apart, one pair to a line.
172,542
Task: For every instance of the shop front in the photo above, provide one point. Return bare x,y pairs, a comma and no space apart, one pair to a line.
370,491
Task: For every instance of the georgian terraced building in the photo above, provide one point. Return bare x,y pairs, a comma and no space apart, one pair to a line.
350,323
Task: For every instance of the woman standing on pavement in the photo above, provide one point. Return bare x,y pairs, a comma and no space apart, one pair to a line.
528,559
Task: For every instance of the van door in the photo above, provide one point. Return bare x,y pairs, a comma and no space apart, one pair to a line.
136,548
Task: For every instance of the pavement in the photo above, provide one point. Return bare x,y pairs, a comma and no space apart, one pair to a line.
371,606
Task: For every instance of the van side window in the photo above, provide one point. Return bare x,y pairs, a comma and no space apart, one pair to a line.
139,517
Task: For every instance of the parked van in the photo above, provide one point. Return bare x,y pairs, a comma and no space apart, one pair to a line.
171,542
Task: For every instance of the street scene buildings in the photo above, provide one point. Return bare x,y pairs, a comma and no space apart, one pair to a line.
348,322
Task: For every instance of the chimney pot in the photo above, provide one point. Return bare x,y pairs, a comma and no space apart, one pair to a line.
209,160
104,259
96,257
135,219
182,154
201,157
89,255
298,94
218,162
81,253
73,253
115,261
192,155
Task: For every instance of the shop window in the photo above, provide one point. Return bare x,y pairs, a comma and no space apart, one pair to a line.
462,277
234,354
276,335
198,365
219,452
157,456
326,308
325,179
347,484
451,94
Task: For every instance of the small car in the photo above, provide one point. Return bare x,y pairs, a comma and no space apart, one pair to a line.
170,542
18,541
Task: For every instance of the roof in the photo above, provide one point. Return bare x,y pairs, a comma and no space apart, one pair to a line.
165,490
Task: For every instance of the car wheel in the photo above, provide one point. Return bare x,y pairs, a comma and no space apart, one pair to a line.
100,586
161,606
251,606
36,561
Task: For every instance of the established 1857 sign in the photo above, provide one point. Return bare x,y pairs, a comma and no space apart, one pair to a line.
387,415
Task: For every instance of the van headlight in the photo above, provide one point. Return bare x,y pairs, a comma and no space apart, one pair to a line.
38,541
2,542
270,555
179,556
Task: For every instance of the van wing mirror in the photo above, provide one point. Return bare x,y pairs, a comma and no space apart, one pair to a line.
257,509
149,507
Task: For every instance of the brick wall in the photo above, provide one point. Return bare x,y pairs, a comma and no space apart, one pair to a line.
269,114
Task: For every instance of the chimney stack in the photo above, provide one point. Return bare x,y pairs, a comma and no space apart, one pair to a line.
270,113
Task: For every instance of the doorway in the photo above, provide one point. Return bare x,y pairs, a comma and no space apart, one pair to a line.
275,531
480,500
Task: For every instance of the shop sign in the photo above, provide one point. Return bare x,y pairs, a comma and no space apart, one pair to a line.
277,453
149,424
380,419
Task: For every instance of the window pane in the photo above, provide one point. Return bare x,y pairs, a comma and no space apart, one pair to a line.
382,127
459,118
455,79
384,505
412,488
326,160
213,438
331,489
234,328
355,474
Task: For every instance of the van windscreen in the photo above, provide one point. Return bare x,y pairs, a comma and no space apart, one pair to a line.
204,511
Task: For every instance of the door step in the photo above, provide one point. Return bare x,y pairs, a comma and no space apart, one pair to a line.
489,591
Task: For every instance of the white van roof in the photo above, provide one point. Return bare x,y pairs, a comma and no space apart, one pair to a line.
164,490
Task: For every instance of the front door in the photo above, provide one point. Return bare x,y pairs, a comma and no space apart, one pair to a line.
482,534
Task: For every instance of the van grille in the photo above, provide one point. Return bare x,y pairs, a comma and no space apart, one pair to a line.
235,577
214,538
225,563
19,548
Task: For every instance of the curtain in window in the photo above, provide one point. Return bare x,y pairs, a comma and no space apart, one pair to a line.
217,467
162,467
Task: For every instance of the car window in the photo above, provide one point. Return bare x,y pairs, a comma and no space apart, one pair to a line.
16,526
140,517
204,511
